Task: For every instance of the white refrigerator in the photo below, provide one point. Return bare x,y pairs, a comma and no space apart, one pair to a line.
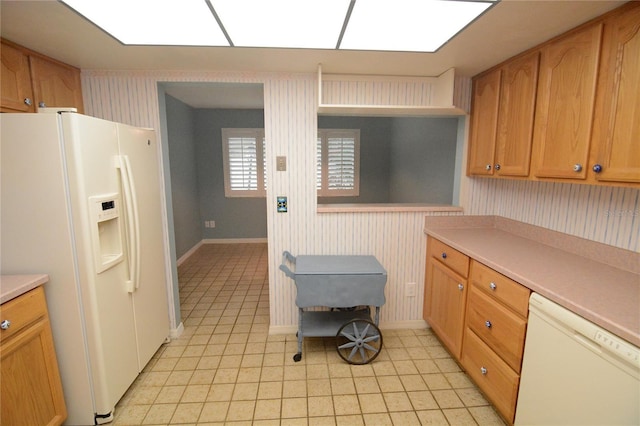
81,201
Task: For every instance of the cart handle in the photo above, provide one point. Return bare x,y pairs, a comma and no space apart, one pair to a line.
286,256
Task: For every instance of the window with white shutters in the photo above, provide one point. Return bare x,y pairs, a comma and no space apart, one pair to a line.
338,162
244,162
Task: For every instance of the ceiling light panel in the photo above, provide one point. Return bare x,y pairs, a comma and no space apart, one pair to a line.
313,24
408,25
154,22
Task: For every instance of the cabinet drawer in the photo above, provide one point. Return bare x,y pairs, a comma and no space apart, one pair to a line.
499,328
23,311
449,256
498,382
501,288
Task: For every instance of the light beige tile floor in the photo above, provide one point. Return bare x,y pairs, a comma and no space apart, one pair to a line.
227,369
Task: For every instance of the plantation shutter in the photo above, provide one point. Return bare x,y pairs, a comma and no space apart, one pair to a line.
337,164
341,163
244,156
243,164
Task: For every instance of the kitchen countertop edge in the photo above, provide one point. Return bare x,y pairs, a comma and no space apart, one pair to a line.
553,266
12,286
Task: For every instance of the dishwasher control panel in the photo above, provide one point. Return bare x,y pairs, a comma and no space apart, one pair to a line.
622,349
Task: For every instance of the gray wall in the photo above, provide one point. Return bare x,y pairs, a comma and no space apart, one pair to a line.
234,217
184,178
423,155
375,148
402,160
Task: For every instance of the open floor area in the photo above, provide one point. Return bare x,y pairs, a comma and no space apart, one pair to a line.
227,369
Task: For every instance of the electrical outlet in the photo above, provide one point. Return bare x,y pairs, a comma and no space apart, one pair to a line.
212,224
411,289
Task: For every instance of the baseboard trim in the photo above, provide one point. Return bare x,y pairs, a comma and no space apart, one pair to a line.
188,254
174,333
193,249
234,240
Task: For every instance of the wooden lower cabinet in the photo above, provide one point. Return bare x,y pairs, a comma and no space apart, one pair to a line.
445,293
31,390
492,375
494,335
480,316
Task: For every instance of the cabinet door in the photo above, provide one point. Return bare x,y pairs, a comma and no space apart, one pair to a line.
617,134
515,116
16,81
445,298
55,85
484,119
565,103
30,388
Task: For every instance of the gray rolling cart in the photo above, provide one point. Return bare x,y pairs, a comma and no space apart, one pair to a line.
349,286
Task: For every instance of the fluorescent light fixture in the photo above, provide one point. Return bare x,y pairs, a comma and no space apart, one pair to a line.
155,22
393,25
408,25
283,23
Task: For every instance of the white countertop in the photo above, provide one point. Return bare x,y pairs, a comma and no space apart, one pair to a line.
598,282
12,286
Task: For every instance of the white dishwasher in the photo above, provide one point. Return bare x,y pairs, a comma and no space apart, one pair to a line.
574,372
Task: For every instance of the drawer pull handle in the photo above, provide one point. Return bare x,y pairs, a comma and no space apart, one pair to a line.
444,255
487,324
483,371
460,287
493,286
5,324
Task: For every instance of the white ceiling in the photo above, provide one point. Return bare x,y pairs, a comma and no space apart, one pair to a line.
510,27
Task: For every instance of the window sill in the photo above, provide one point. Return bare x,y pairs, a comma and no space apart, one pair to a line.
386,207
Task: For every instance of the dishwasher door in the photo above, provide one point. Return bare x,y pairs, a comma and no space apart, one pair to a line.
574,372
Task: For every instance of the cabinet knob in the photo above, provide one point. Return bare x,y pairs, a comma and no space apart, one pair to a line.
497,167
444,255
577,168
487,324
597,168
460,287
5,324
493,286
28,101
41,104
483,371
487,167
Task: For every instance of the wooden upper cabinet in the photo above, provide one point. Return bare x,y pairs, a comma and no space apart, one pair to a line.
515,116
616,135
484,119
55,84
30,80
565,104
16,81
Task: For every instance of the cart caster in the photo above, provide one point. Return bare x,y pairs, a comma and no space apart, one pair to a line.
359,341
297,357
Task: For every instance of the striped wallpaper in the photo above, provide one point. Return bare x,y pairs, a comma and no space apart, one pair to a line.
396,239
609,215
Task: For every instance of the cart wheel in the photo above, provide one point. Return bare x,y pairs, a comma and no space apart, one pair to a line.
297,357
359,341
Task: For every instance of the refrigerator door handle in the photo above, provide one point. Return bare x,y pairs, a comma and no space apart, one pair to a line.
133,223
